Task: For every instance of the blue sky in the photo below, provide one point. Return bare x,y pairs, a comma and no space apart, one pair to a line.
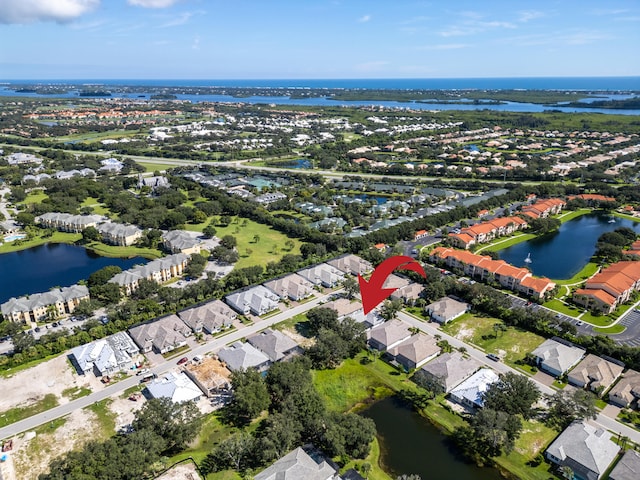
245,39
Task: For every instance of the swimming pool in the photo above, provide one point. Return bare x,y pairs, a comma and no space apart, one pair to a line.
15,236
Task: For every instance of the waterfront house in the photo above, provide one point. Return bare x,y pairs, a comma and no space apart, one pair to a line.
119,234
242,356
595,373
39,307
299,465
66,222
105,356
586,449
471,391
162,335
543,208
159,271
446,309
449,370
626,392
556,356
388,335
415,351
257,300
181,241
211,317
610,287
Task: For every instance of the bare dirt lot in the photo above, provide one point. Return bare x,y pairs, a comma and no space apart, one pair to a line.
186,471
51,377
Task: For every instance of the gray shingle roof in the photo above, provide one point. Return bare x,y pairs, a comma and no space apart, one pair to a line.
451,368
628,468
276,345
241,356
297,465
558,356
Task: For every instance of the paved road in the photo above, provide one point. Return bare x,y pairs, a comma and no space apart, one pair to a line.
602,420
116,388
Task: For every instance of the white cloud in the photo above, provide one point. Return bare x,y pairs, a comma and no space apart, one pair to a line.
153,3
180,19
364,19
30,11
444,46
528,15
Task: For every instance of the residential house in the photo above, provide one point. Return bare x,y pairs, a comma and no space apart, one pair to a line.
66,222
344,307
471,391
178,387
292,287
210,375
449,370
388,335
408,293
162,335
595,373
487,231
593,198
257,300
159,271
420,234
322,274
586,449
627,468
105,356
211,317
181,241
119,234
543,208
49,305
610,287
268,198
299,465
446,309
351,264
20,158
484,268
111,165
626,392
415,351
557,357
274,344
153,182
242,356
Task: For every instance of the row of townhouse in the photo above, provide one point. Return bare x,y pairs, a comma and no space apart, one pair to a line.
481,266
611,287
544,208
159,271
112,233
42,306
487,231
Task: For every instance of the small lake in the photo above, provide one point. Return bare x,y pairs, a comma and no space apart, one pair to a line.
40,268
562,254
410,444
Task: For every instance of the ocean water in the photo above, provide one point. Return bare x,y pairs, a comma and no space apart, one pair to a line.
527,83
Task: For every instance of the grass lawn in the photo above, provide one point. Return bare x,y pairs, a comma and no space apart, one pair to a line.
176,352
35,196
269,248
512,344
617,328
57,237
123,252
73,393
20,413
152,167
10,371
353,383
587,271
558,306
502,243
98,208
597,320
373,459
628,217
106,418
570,215
534,439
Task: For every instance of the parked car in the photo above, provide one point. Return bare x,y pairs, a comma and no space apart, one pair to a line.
579,323
148,377
142,371
37,329
183,360
493,356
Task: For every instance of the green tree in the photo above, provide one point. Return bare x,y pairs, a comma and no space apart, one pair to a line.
102,276
250,397
209,231
568,406
322,317
91,234
390,308
351,286
229,241
513,394
236,452
176,423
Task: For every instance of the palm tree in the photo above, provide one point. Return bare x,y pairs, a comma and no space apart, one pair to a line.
256,238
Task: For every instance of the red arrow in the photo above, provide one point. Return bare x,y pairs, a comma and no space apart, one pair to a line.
372,292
